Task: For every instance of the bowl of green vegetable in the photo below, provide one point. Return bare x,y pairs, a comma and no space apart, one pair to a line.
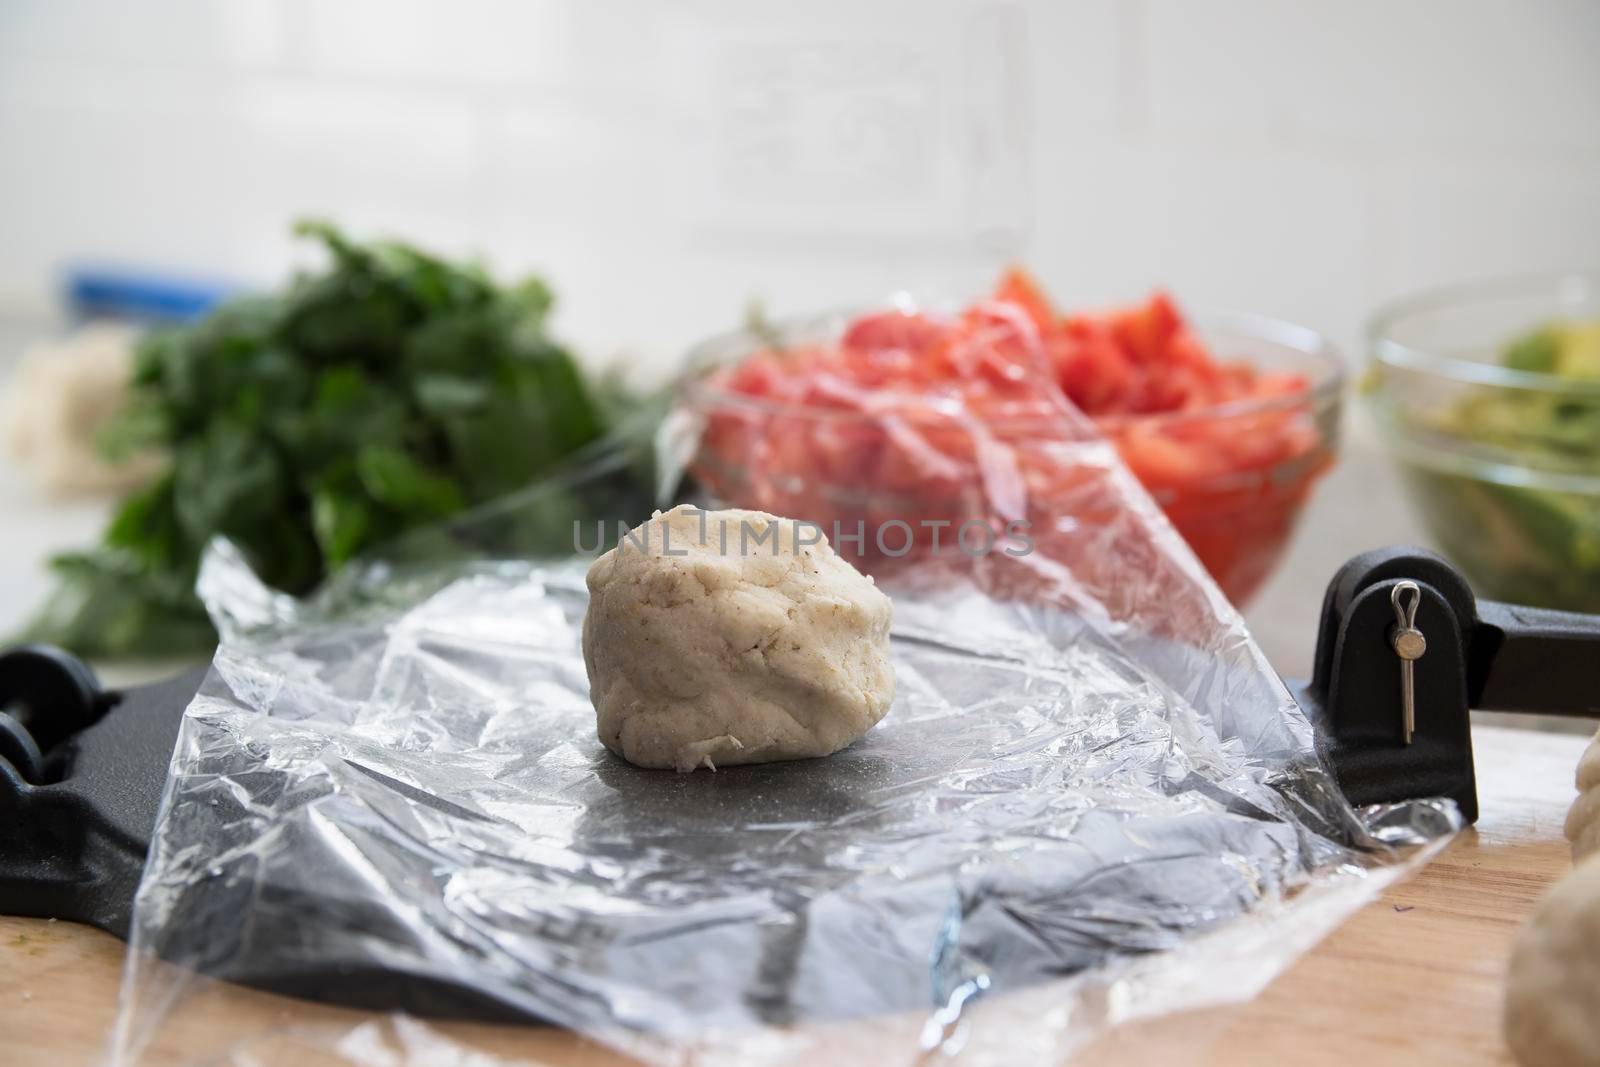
1488,397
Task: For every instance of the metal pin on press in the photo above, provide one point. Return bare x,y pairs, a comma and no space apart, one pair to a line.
1409,644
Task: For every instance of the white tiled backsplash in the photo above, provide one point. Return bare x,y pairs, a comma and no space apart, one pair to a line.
664,162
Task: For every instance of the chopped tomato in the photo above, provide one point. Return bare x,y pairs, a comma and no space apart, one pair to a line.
910,332
1018,287
906,417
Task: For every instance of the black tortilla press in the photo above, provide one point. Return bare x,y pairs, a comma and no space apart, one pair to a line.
1403,652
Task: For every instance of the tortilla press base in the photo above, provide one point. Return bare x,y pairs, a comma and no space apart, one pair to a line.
82,770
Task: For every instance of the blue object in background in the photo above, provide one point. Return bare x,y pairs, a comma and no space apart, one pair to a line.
138,296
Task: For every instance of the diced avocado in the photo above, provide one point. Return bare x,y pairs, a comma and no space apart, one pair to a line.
1528,544
1578,354
1536,352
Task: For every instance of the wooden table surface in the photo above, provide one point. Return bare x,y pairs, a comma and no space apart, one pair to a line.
1415,977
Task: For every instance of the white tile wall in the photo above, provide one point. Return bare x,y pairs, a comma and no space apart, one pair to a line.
666,161
215,34
1442,74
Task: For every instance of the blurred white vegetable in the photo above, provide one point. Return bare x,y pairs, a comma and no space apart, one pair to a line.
61,396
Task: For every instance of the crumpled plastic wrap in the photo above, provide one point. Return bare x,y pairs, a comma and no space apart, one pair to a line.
1091,800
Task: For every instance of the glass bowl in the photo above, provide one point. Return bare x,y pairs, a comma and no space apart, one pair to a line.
1503,464
1233,479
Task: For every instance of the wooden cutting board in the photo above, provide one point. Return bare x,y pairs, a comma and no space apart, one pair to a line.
1415,977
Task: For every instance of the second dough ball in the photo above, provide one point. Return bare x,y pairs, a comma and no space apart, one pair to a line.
728,637
1583,818
1550,1009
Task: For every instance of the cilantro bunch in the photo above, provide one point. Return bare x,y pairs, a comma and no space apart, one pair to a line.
384,393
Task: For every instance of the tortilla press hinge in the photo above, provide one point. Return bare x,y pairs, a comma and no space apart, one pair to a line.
45,697
1405,650
81,774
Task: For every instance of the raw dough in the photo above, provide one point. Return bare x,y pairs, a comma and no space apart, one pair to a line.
1583,818
1552,1014
714,638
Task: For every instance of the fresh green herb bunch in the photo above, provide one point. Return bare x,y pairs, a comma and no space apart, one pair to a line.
386,392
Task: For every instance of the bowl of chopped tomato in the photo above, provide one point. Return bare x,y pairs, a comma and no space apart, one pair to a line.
940,422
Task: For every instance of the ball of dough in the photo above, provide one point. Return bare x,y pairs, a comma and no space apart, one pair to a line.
1583,818
1552,1016
720,637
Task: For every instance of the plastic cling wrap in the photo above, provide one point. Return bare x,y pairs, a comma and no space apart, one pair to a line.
1091,800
